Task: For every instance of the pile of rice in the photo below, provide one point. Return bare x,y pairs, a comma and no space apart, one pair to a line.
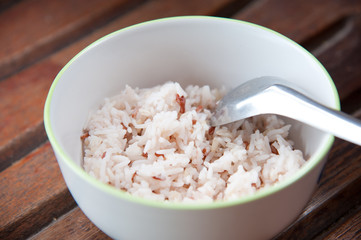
157,143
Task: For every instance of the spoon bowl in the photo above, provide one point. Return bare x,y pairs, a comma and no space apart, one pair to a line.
273,95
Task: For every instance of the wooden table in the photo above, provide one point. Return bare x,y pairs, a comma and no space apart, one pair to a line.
38,37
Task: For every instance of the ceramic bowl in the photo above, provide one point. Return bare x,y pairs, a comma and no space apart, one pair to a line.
190,50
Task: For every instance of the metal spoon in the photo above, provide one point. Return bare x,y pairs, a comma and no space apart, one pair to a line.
274,95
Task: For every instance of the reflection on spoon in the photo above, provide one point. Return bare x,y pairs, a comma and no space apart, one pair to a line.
273,95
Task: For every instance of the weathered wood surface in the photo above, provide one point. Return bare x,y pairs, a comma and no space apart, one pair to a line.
33,28
348,227
32,193
38,37
73,225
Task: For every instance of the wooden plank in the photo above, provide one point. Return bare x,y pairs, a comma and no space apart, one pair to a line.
32,29
338,192
73,225
298,19
304,20
349,228
148,11
22,99
342,56
32,193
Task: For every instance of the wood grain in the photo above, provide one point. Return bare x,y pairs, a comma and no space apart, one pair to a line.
341,56
73,225
298,19
22,99
149,11
348,227
301,21
32,29
32,193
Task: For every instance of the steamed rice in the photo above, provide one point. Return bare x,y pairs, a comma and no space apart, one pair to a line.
157,143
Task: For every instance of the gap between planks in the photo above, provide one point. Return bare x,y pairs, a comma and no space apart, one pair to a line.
54,28
348,227
32,192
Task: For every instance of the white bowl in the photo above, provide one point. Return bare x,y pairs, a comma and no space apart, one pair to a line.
189,50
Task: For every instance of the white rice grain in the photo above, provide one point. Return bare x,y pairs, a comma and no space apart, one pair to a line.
157,143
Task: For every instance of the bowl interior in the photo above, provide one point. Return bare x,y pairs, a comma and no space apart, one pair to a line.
190,50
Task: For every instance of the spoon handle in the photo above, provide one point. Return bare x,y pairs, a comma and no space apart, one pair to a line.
335,122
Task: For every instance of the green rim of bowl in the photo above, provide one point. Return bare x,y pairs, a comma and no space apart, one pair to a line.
311,163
